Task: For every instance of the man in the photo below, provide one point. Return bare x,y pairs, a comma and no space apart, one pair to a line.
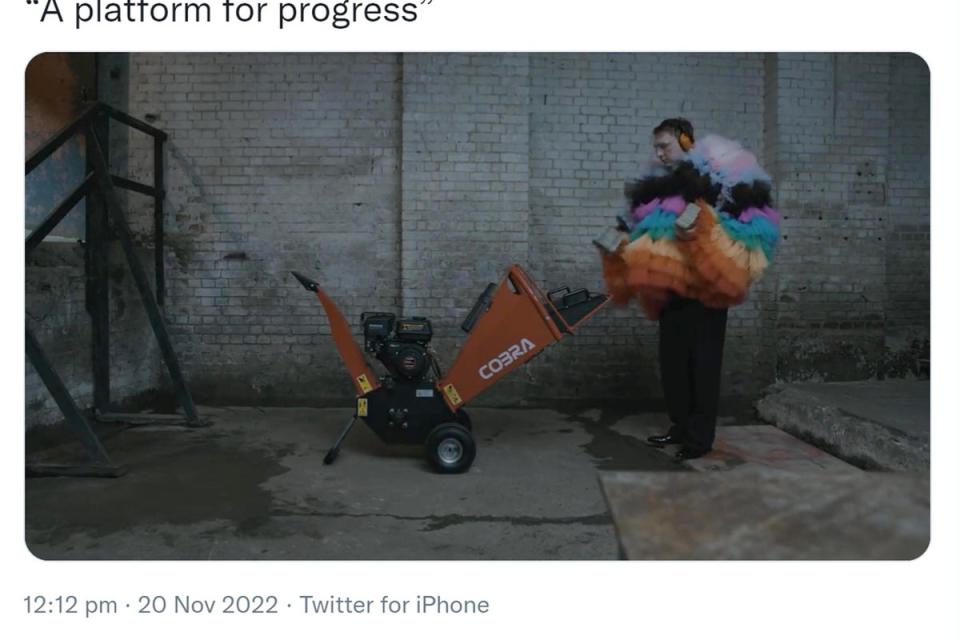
701,230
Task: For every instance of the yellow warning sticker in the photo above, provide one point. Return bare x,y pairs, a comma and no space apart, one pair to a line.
362,407
365,385
452,394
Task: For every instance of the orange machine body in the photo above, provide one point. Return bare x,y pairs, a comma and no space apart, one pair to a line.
510,324
519,323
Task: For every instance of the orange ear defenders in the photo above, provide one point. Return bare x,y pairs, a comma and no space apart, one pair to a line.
686,142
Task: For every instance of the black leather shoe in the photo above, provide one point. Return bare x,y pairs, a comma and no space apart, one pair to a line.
662,441
686,453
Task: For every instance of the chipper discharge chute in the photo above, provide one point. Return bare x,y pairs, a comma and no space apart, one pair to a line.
414,402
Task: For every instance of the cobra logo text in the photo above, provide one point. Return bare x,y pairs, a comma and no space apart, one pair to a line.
505,359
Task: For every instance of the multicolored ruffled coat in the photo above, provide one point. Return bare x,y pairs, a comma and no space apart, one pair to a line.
729,248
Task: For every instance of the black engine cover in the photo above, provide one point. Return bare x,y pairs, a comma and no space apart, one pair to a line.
407,360
415,329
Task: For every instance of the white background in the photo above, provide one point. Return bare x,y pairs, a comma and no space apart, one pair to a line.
566,599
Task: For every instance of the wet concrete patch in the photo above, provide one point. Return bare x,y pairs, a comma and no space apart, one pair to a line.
614,451
174,478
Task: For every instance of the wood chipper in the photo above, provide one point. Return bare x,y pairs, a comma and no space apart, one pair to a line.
414,402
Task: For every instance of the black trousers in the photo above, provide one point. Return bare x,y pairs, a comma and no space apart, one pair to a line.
691,353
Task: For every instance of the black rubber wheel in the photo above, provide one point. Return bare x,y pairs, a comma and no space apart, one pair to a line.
450,448
464,418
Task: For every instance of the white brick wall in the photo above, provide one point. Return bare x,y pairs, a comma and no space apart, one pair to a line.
406,182
851,134
465,185
275,163
908,213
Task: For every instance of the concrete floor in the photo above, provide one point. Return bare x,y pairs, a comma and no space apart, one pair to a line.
253,486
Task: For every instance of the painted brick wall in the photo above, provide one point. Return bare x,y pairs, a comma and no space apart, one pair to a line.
465,187
275,163
908,212
852,145
57,84
406,182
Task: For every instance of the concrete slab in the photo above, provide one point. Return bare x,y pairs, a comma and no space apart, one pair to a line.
874,424
900,405
764,494
760,513
744,445
253,486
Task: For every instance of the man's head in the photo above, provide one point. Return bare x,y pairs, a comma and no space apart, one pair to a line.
672,138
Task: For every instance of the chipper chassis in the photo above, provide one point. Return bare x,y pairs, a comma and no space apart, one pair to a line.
415,402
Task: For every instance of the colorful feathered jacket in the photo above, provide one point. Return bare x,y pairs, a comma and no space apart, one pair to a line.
727,250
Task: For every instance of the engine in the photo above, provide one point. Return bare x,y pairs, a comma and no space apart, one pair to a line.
400,344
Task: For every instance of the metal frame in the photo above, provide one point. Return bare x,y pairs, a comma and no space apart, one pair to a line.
105,221
100,463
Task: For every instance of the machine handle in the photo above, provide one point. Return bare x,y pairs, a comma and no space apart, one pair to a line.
479,308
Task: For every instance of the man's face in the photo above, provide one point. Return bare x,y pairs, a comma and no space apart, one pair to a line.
667,148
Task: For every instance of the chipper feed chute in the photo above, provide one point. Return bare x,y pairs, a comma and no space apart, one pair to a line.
508,326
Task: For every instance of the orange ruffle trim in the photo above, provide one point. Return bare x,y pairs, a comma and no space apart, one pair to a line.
708,266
